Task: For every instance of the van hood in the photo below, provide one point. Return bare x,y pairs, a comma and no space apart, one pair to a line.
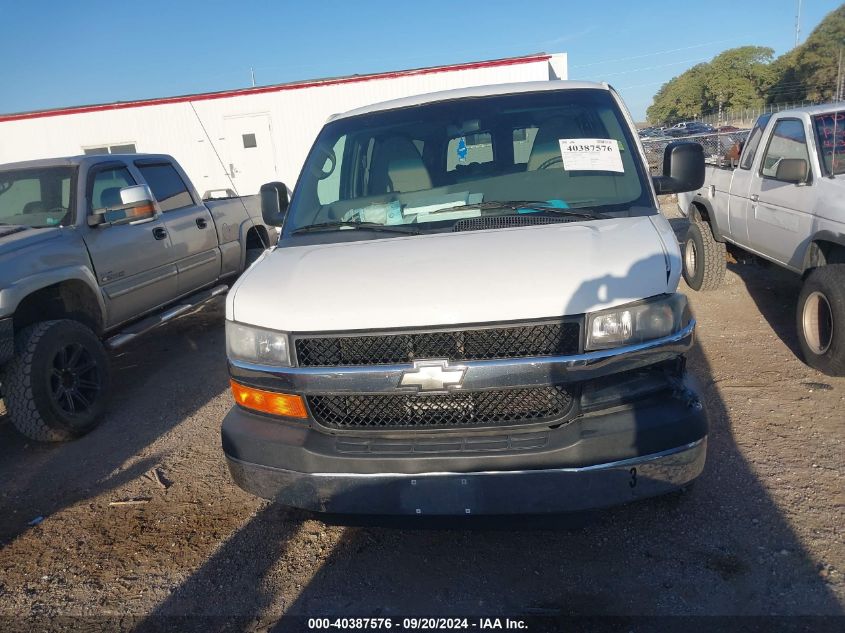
458,278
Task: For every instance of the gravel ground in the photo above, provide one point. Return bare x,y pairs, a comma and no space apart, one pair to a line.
760,534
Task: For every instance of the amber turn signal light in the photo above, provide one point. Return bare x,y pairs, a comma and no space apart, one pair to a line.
284,404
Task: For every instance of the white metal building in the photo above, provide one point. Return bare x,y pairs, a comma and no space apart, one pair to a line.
260,134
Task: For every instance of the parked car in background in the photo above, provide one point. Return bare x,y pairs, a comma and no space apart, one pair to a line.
652,132
102,248
786,203
459,327
688,128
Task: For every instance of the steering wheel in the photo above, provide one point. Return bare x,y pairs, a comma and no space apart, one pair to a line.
554,160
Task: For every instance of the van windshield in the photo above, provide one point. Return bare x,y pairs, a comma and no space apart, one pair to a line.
557,153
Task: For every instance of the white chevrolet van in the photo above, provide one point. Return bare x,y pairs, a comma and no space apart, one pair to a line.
471,309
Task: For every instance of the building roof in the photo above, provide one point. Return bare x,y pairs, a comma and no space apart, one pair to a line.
296,85
474,91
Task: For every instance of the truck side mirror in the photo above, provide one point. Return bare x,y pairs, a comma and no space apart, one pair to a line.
136,204
274,203
792,170
683,168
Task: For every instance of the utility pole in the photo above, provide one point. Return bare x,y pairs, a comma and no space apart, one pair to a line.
838,93
252,75
798,23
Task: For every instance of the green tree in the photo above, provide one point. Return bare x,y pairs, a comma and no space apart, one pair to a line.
810,70
739,77
679,98
746,77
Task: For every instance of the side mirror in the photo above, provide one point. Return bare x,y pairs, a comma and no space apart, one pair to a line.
683,168
274,203
794,170
137,204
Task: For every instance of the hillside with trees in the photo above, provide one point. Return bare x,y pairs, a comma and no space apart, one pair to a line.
750,76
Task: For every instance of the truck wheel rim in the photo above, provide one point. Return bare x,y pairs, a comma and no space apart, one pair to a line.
74,380
817,321
690,257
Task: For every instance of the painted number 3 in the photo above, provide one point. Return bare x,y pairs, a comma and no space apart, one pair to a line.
633,482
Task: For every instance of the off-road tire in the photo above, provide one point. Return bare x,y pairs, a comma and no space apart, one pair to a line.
820,319
704,258
29,379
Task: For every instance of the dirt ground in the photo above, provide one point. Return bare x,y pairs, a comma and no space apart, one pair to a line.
762,532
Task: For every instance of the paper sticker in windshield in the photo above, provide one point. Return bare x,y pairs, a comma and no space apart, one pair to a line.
462,149
591,154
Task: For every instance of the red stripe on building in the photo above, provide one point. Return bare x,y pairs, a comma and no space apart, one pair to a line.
513,61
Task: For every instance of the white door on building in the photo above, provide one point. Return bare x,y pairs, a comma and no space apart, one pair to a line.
250,151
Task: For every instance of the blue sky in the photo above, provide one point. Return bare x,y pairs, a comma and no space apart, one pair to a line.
71,53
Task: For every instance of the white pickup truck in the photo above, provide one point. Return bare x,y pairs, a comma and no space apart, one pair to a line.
785,202
472,310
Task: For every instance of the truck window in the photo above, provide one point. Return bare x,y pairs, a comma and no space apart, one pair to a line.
167,186
753,142
36,197
788,141
106,186
830,138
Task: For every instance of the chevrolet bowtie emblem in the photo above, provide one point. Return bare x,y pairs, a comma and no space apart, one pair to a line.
434,375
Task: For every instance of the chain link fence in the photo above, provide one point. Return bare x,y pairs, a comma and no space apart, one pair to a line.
719,148
745,117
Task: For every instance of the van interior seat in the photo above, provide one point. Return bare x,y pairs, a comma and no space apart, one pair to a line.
36,206
397,167
546,146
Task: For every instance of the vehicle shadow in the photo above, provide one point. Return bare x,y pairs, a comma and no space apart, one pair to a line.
722,548
155,381
775,292
773,289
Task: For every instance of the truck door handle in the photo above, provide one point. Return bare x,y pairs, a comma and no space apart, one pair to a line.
159,233
754,197
201,223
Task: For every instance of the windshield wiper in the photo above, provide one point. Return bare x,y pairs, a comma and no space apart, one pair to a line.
371,226
534,205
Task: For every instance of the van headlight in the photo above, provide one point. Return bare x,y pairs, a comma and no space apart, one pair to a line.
637,322
256,345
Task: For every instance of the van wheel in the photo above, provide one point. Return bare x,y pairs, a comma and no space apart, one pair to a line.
56,385
820,319
704,258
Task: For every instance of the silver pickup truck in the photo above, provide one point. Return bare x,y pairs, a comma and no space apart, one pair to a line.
95,251
785,202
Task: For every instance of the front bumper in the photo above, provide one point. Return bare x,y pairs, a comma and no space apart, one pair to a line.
489,492
7,341
597,460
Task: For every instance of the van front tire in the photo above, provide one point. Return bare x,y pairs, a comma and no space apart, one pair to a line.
820,319
56,385
704,258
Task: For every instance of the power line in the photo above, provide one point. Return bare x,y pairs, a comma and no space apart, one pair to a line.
671,50
637,70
